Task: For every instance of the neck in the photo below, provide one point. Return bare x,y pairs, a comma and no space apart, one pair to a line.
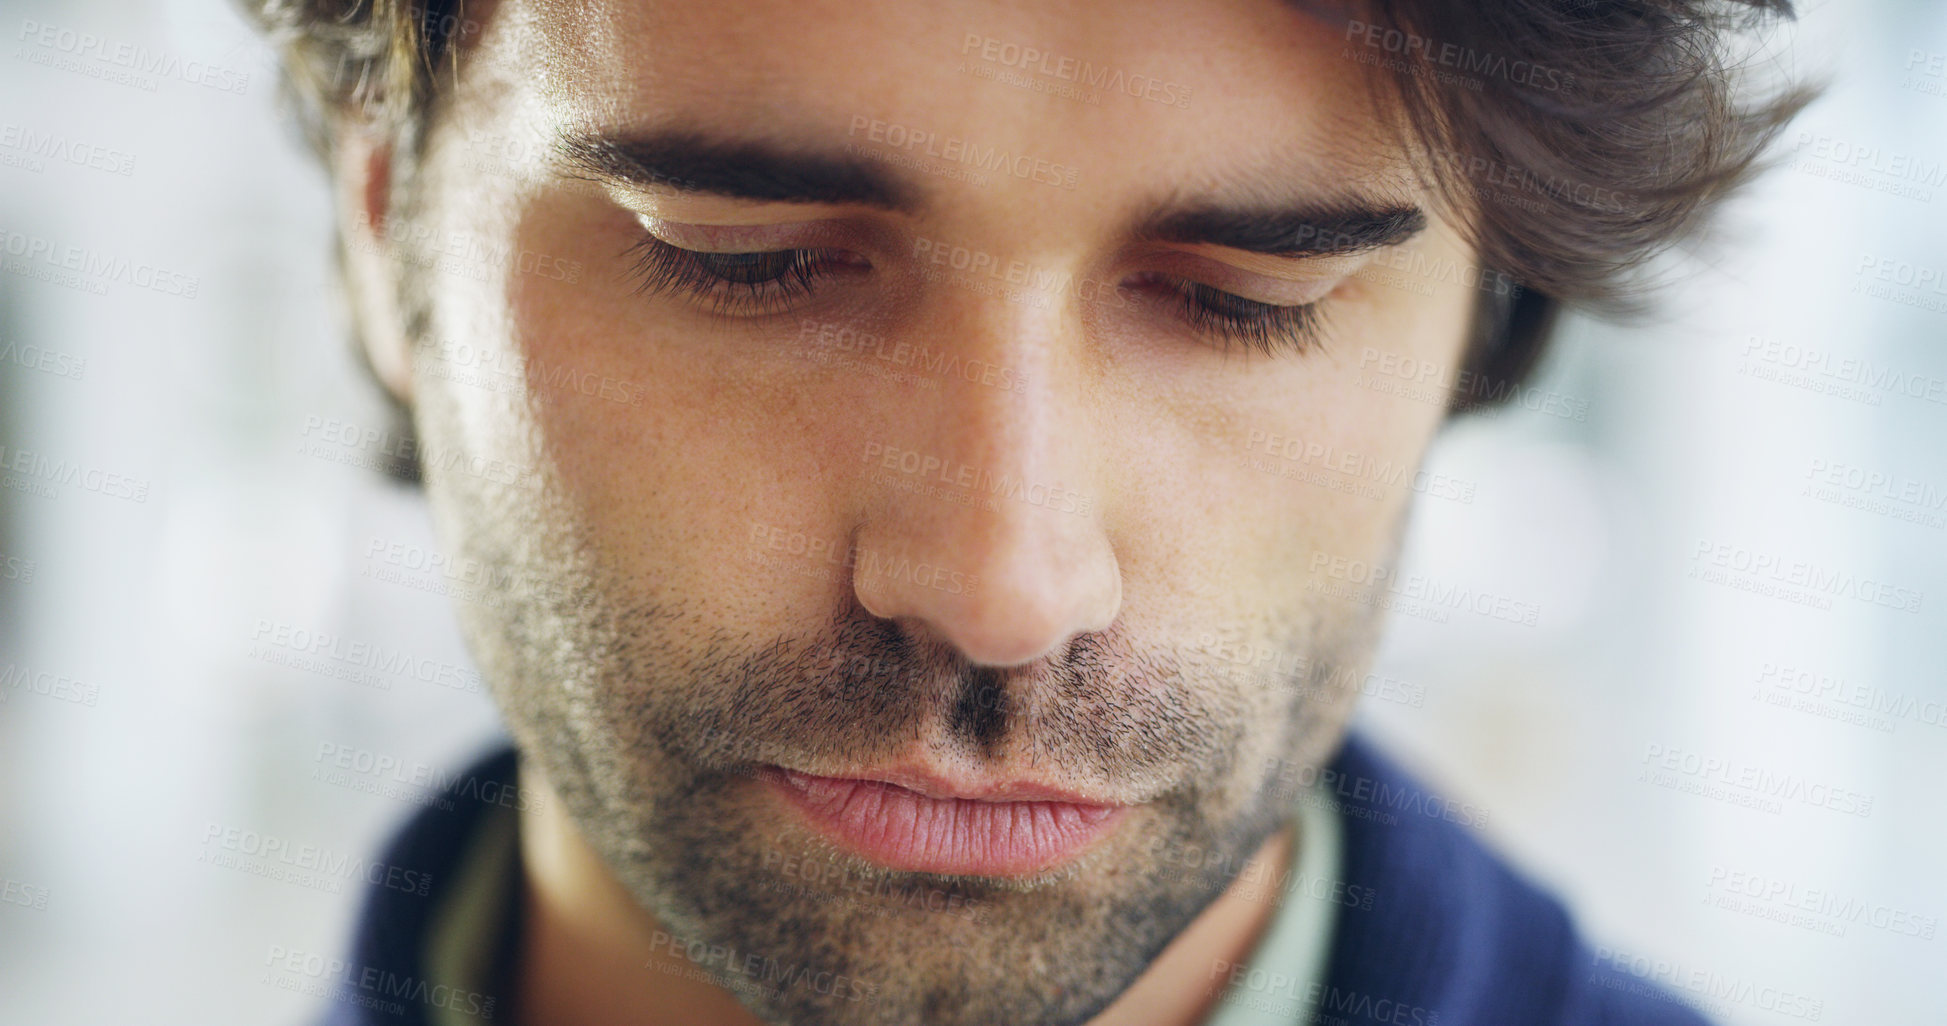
589,958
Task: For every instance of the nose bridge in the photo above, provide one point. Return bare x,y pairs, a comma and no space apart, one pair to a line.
983,526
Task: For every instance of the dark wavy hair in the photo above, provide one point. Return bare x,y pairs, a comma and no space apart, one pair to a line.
1572,141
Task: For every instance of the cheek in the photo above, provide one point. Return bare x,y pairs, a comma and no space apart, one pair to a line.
1263,488
1348,455
709,471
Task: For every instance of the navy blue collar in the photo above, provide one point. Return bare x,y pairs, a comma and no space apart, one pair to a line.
385,980
1455,937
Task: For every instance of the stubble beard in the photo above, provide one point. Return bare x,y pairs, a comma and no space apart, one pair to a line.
649,720
653,758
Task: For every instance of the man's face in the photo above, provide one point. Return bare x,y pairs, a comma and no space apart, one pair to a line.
983,479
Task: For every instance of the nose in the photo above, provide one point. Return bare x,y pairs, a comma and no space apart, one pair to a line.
984,526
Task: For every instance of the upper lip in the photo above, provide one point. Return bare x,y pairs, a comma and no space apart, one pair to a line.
940,786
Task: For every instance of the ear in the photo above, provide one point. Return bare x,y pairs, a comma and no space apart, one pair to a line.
362,172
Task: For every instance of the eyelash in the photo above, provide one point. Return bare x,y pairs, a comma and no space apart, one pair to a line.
660,268
1262,327
757,283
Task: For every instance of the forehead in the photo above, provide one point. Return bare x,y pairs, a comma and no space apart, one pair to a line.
1220,95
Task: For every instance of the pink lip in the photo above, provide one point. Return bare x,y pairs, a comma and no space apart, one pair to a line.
918,822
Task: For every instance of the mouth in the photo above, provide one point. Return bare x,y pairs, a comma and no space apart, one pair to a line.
922,824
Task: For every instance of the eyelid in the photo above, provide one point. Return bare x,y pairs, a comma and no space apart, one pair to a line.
656,204
1270,289
1299,266
1279,283
721,238
1234,319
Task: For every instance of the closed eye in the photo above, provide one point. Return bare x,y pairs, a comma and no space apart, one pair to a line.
736,284
1231,319
765,282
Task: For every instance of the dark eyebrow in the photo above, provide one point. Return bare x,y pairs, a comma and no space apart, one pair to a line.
692,162
1329,230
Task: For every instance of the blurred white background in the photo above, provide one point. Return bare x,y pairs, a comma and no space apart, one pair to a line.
153,693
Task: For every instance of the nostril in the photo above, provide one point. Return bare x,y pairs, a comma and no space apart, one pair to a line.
1030,596
873,601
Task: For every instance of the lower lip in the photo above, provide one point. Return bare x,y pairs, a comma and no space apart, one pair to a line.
906,830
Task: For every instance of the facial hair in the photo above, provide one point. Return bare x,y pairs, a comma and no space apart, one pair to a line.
651,722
